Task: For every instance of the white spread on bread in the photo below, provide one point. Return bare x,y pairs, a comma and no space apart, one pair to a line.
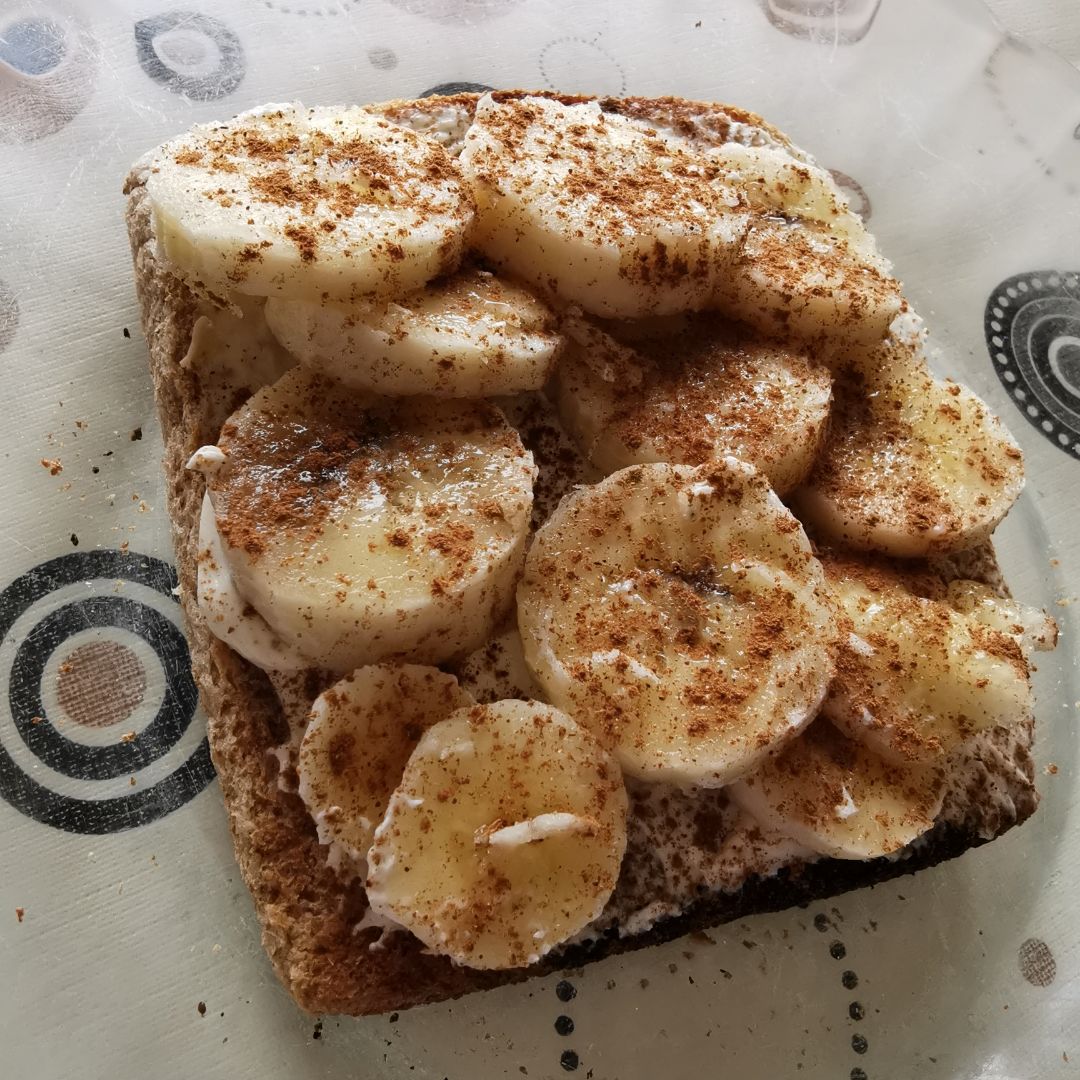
228,615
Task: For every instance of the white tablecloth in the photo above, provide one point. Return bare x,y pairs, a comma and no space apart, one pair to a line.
1055,23
121,907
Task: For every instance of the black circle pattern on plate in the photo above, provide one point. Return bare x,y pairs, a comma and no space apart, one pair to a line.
100,762
194,55
1032,326
81,815
456,88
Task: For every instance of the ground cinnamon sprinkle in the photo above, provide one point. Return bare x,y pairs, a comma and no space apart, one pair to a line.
822,772
329,171
305,239
302,462
713,387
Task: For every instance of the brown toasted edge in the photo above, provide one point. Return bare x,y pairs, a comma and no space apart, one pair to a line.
307,914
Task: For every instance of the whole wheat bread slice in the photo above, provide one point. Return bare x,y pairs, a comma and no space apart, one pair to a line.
308,913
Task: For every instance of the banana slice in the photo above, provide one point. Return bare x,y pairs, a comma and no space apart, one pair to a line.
913,465
589,206
358,738
915,677
329,202
798,277
504,837
775,181
836,797
1034,630
234,352
362,528
470,335
807,266
711,391
679,613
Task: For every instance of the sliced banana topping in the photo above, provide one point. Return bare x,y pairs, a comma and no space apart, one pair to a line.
358,738
591,207
795,276
504,837
328,202
836,797
469,335
362,528
913,465
710,390
774,181
915,677
678,612
1033,629
808,266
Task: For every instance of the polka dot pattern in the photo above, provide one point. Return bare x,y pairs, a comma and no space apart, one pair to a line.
856,193
191,54
577,65
1037,963
51,64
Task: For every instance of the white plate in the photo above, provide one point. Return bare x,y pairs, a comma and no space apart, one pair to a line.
964,145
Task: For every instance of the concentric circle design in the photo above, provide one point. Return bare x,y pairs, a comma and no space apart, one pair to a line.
456,88
193,55
1032,326
100,693
576,65
48,67
100,684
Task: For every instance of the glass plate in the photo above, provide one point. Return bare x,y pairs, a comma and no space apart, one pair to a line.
127,938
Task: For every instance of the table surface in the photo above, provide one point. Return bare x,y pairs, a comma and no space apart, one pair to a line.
122,913
1050,22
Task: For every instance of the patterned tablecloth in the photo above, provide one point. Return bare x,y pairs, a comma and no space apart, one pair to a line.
128,943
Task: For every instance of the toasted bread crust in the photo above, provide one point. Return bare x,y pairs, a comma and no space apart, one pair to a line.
307,914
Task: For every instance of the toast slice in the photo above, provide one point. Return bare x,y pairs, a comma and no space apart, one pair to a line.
309,914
